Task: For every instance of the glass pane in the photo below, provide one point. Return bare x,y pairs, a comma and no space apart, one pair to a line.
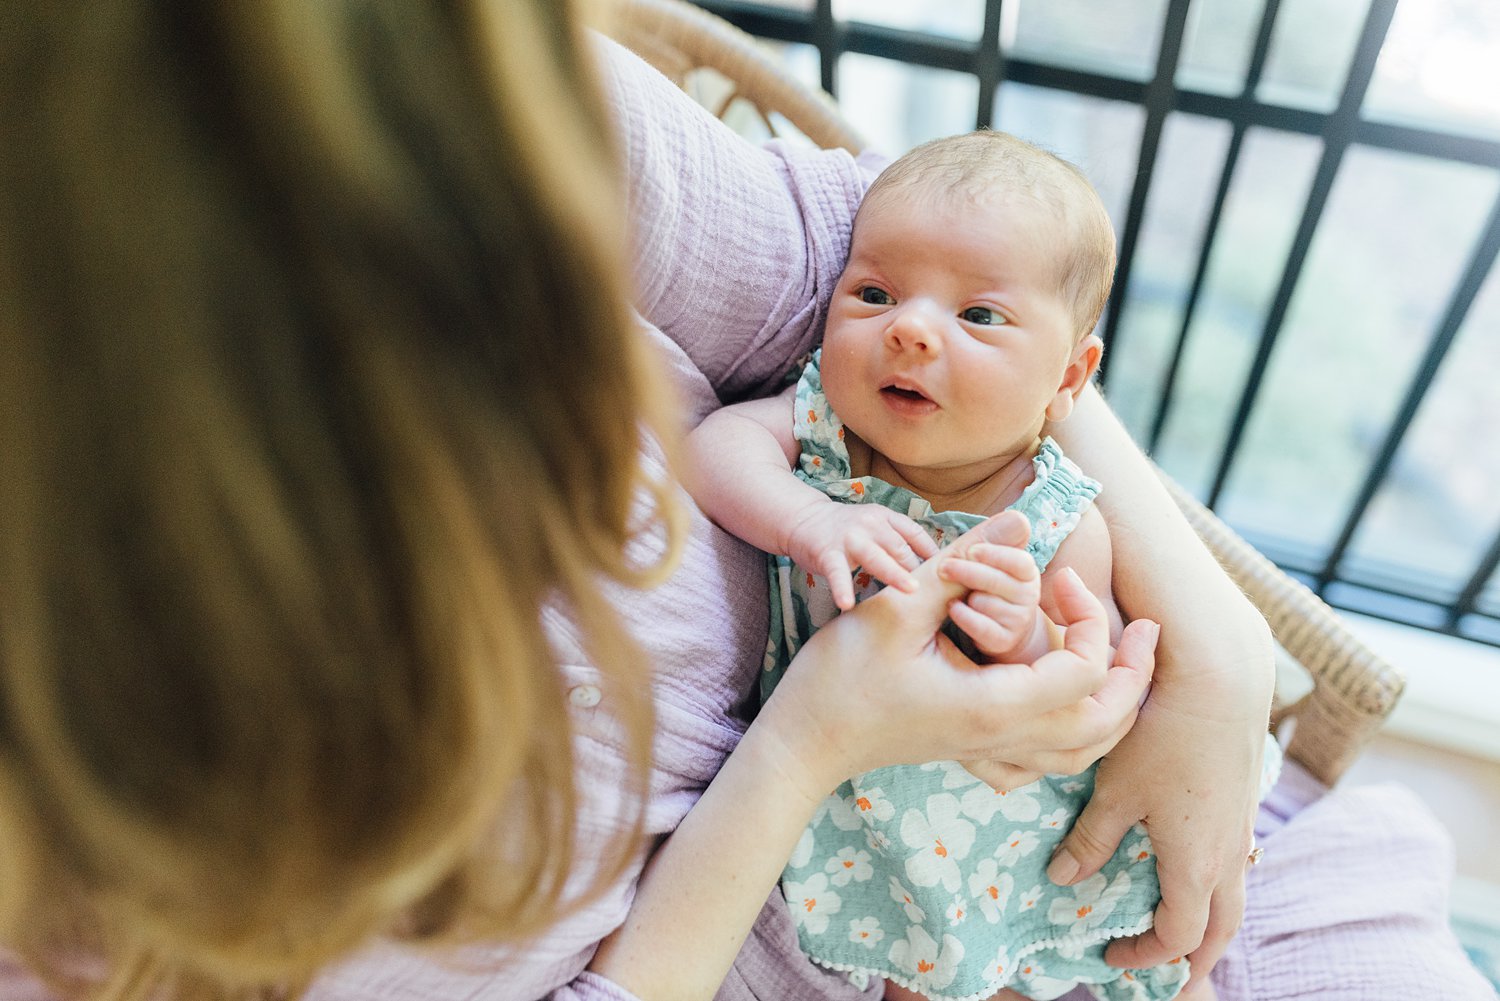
1439,508
1393,238
1103,138
1489,599
803,62
1441,67
1311,48
1166,254
1117,38
897,106
1216,50
963,19
1249,253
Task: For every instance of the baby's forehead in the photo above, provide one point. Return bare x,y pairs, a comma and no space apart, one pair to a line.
921,207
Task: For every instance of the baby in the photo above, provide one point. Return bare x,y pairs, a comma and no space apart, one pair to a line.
959,328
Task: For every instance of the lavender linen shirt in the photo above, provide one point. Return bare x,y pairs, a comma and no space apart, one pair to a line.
737,252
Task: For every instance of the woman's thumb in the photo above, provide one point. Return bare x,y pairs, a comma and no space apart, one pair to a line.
1096,834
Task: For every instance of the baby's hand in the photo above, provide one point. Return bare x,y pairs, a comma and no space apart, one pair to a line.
832,539
1001,613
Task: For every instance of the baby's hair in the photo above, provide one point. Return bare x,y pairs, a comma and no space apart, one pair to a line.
985,163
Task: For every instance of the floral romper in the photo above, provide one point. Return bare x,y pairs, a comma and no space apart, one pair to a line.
924,874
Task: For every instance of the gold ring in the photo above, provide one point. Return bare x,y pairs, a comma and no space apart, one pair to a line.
1255,855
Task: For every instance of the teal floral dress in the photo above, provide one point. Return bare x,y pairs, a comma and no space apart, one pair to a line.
923,874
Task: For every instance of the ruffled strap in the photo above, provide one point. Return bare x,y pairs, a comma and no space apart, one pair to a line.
1054,501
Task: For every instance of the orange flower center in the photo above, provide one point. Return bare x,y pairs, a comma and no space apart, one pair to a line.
923,966
1084,912
941,851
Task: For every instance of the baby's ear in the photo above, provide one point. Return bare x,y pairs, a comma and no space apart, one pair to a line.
1081,368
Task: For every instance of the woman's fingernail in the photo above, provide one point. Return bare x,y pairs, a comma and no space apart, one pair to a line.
1063,868
1155,631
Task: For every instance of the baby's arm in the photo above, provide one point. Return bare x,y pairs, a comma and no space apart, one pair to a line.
742,458
1088,553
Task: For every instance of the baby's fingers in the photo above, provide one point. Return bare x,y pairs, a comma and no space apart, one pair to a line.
1002,571
915,536
997,631
834,568
881,564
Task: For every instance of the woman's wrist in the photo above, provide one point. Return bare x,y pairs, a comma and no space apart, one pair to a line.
790,738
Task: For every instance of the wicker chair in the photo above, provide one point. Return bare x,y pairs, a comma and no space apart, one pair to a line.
1353,689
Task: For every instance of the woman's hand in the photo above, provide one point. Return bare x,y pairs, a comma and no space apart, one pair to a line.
881,685
1189,771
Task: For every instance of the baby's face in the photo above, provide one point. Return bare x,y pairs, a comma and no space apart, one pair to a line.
948,336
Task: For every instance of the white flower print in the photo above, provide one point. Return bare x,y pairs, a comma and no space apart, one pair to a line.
849,863
902,896
941,837
928,965
992,888
1139,850
1089,904
865,932
1056,820
1019,806
1000,969
1050,524
955,775
802,854
872,804
1016,846
1072,785
958,910
811,902
1180,970
814,422
839,811
878,841
1029,899
1039,986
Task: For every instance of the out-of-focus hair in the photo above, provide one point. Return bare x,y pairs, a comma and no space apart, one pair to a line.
990,164
317,383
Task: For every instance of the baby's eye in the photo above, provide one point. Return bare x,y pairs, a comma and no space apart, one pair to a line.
982,315
875,296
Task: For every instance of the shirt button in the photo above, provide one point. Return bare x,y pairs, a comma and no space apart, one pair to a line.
584,696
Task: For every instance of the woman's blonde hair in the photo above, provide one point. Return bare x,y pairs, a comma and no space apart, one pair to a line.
317,384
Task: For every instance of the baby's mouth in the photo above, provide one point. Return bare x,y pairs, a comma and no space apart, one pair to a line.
904,393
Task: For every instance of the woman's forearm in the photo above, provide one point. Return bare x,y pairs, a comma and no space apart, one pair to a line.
1161,569
706,885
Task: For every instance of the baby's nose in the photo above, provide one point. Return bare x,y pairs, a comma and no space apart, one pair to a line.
915,329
